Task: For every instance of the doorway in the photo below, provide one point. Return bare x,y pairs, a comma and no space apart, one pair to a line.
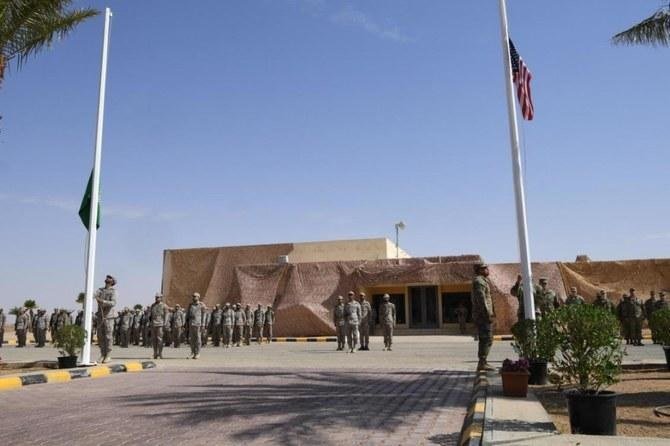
423,307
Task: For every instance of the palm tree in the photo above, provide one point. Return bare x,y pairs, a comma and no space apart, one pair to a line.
654,30
14,311
30,304
81,297
27,26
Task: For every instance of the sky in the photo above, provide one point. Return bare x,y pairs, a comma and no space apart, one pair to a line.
268,121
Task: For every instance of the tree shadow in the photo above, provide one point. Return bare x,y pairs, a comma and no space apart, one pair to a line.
289,408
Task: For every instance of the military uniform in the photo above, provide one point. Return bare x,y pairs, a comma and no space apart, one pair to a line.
159,313
626,314
240,322
194,316
215,325
106,298
483,315
228,322
366,316
574,299
638,320
259,321
21,328
126,324
52,324
204,332
167,328
352,313
137,327
603,302
387,319
462,317
249,324
649,309
3,319
269,323
146,327
41,326
178,321
339,321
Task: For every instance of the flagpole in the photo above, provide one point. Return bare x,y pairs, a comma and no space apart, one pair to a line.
95,191
519,194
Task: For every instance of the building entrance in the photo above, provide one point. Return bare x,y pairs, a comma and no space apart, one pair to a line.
423,307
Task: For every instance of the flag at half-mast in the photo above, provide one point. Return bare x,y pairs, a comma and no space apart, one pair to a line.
521,77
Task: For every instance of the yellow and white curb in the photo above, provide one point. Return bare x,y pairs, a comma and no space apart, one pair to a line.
473,425
60,376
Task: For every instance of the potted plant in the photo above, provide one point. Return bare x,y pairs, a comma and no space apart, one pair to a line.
69,342
515,377
533,340
589,358
660,326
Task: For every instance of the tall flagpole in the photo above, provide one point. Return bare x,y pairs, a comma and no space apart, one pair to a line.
519,194
95,192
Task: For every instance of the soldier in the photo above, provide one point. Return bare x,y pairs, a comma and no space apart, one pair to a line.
649,308
215,325
167,328
624,311
638,306
574,298
178,321
126,326
547,298
259,321
52,324
483,314
387,319
62,319
240,322
269,323
352,313
41,326
159,314
106,298
249,316
79,320
204,330
228,319
339,320
461,316
137,326
366,315
603,302
194,316
117,328
662,304
146,326
21,327
3,318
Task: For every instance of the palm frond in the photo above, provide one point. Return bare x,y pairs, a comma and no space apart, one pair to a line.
654,31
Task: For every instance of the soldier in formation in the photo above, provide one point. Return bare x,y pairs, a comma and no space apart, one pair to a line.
352,312
574,298
649,309
106,299
194,317
3,319
126,325
228,321
269,323
41,327
167,328
206,318
483,314
178,323
603,302
215,325
52,324
545,299
259,322
387,319
630,312
159,312
137,326
240,322
249,324
146,326
339,321
21,327
366,321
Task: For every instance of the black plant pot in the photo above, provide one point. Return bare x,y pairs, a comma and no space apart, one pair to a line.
666,349
67,362
592,413
538,373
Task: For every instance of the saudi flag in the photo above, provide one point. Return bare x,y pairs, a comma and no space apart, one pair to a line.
85,208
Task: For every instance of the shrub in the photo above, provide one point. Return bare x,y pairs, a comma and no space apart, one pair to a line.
589,348
70,340
660,325
533,340
521,365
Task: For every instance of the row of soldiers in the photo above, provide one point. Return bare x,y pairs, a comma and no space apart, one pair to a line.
38,323
355,320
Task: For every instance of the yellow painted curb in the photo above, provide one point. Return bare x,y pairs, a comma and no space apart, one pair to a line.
133,366
57,376
10,382
480,406
97,372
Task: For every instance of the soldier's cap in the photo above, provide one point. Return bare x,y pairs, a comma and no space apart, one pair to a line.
361,294
350,293
196,295
632,290
111,278
601,293
573,288
340,297
227,304
386,296
543,280
479,266
158,295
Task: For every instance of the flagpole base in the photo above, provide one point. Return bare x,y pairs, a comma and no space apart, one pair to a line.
87,364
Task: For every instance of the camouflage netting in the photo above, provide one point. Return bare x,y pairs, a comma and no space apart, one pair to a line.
303,294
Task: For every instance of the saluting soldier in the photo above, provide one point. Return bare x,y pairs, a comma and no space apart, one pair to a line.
574,298
269,323
366,316
178,321
106,298
483,314
215,325
387,319
259,321
3,319
194,316
249,324
352,312
339,321
228,323
159,313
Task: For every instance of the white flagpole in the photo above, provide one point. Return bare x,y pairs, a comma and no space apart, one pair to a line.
95,192
520,196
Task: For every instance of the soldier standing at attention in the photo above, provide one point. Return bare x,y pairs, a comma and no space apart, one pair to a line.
228,316
21,328
338,320
167,328
206,318
178,320
649,308
547,300
622,311
126,323
638,307
3,318
662,304
194,316
146,326
259,321
461,316
574,298
603,302
387,320
483,314
215,325
269,322
106,298
240,322
52,324
352,312
41,325
366,315
137,327
159,313
249,324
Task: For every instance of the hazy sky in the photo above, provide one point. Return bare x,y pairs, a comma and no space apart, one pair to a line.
278,121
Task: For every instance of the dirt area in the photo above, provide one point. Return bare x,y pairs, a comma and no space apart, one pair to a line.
15,368
640,391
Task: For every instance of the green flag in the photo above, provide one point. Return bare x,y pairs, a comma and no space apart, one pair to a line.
85,208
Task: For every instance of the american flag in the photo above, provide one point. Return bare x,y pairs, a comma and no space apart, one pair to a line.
522,77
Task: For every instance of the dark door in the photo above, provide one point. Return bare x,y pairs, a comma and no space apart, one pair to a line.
423,307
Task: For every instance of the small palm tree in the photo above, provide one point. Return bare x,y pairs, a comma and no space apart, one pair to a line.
654,30
15,311
81,297
30,304
27,26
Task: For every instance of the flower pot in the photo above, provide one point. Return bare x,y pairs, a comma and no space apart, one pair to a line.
515,384
67,362
592,413
666,349
538,372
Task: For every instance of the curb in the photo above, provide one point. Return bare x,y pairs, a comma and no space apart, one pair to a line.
473,425
59,376
503,337
310,339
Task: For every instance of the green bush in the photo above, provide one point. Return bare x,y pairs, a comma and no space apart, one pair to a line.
70,340
589,347
534,340
660,325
